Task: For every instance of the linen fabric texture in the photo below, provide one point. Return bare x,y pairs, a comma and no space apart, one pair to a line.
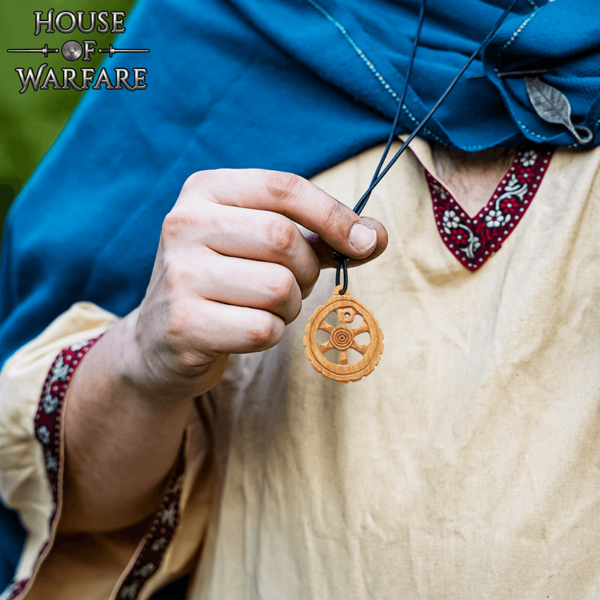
464,466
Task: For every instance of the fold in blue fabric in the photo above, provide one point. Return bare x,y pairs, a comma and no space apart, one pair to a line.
292,85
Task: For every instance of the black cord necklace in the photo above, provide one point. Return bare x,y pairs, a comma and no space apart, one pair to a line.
346,307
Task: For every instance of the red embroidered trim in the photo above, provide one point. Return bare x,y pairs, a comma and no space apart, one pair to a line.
47,425
14,589
158,537
473,241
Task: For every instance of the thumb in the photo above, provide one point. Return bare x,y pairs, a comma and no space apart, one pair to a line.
367,237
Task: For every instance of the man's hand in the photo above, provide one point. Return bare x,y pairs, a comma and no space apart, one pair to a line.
231,271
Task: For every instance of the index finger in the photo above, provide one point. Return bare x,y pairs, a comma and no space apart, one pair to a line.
294,197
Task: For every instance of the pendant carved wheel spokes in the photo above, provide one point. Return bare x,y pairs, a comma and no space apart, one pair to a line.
343,339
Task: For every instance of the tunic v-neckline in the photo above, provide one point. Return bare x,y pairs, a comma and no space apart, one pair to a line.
473,240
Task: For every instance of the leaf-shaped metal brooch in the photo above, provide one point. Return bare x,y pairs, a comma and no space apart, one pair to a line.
553,106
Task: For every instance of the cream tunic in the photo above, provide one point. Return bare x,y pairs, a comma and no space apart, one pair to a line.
466,466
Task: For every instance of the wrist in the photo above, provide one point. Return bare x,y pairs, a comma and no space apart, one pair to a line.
148,369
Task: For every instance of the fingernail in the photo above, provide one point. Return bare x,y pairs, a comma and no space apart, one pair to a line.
362,237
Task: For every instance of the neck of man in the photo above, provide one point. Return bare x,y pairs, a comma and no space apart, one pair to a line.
471,177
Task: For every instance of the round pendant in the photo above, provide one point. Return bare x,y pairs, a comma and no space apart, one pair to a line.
342,338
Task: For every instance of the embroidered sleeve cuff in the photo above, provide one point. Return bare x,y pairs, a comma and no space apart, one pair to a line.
24,485
33,453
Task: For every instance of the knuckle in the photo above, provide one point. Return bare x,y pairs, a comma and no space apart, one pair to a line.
332,216
263,331
174,224
179,341
281,235
282,285
177,277
175,332
197,180
283,186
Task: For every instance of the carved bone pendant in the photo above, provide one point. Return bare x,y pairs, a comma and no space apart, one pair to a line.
342,338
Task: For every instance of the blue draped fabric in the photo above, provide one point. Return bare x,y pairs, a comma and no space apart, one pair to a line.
293,85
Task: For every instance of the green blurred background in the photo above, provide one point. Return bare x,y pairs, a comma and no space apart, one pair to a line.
30,122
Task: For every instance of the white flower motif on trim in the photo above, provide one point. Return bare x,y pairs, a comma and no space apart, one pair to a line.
145,570
49,402
79,345
450,221
129,591
176,486
159,544
495,218
51,462
43,434
168,515
529,158
59,371
441,192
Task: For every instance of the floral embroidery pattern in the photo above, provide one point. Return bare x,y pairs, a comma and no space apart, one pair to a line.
158,537
473,241
47,424
47,427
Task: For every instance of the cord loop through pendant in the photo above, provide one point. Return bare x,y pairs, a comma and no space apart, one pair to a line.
342,265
